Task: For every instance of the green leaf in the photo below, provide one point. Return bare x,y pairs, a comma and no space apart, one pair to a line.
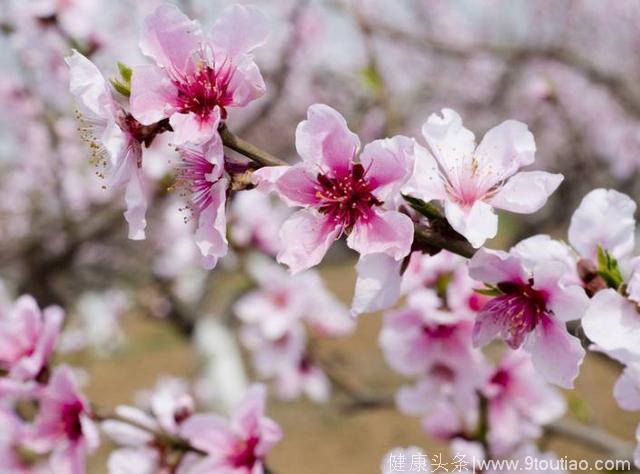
488,290
120,87
425,208
608,269
125,72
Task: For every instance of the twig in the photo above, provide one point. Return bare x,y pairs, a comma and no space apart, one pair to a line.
247,149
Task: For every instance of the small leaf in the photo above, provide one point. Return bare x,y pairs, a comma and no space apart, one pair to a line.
488,291
425,208
608,269
125,72
120,87
371,78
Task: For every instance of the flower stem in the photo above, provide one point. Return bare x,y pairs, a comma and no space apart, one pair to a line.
247,149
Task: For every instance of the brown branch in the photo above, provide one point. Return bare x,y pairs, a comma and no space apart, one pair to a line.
247,149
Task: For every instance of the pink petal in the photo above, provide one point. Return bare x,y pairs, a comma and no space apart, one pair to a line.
136,201
388,232
507,147
426,182
325,140
210,236
447,138
88,86
267,177
68,459
240,30
298,187
495,266
566,302
153,95
378,283
476,223
612,323
526,191
388,164
191,128
247,83
556,354
487,326
210,433
306,236
626,391
604,217
170,38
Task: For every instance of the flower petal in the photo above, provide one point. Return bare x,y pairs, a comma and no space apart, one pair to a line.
526,192
88,86
136,200
426,182
626,391
191,128
476,223
153,95
556,354
388,164
211,234
240,30
507,147
566,302
388,232
298,187
447,138
324,140
306,236
170,38
378,283
496,266
604,217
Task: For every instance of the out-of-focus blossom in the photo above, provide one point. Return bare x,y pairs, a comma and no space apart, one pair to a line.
471,180
99,323
170,405
424,334
196,76
14,446
64,425
533,304
239,445
223,380
340,195
519,403
28,337
255,220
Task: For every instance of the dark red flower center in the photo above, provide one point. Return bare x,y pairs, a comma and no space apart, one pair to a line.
346,199
207,88
438,331
501,378
245,456
520,309
71,420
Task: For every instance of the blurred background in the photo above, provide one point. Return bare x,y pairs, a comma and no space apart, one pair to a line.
568,68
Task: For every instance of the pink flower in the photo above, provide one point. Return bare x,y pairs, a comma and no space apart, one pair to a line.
63,424
170,406
28,337
535,301
256,220
238,446
626,391
286,361
446,398
115,138
471,180
197,77
202,180
340,195
424,334
519,403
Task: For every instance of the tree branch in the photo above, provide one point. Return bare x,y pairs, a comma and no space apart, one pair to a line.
247,149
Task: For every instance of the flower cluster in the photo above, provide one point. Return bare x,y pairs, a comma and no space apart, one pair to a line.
50,426
274,329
